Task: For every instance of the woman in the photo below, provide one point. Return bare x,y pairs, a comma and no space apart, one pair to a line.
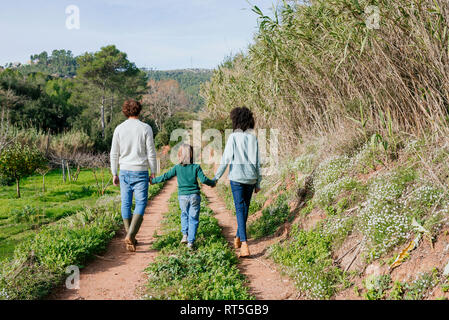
133,148
242,155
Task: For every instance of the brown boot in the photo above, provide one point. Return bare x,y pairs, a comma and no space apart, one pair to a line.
237,243
244,250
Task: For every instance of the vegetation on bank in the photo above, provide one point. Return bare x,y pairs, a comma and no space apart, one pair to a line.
382,208
363,115
321,67
208,273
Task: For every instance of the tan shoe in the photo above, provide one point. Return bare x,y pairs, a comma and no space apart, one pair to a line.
130,245
237,243
244,250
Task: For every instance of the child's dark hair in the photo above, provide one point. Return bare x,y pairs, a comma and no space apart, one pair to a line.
242,118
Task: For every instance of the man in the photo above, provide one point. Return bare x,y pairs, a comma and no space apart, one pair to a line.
133,148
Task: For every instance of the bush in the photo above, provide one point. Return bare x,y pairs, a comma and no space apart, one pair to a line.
306,80
272,218
329,171
306,257
163,137
39,263
18,161
6,181
25,214
382,219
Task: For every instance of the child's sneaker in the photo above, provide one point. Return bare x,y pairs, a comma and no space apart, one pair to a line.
190,246
184,239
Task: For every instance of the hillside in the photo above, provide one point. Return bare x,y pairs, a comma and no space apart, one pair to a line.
190,80
358,205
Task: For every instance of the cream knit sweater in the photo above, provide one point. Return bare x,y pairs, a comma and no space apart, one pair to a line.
133,147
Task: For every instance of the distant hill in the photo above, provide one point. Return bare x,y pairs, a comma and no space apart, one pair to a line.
189,80
62,63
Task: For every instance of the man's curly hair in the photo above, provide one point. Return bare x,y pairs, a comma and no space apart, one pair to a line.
131,108
242,118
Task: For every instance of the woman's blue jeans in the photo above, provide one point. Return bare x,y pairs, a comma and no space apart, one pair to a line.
242,194
190,213
133,182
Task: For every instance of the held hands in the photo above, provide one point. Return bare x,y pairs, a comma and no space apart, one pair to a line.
151,178
116,181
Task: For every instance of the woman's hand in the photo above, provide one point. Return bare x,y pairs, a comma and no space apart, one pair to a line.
256,190
116,181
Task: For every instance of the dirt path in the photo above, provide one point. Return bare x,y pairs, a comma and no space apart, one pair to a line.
265,281
118,273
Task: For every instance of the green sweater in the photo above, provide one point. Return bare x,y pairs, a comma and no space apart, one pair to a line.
187,178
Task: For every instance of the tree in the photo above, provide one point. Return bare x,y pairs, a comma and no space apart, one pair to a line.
60,63
169,125
163,99
190,81
19,161
109,70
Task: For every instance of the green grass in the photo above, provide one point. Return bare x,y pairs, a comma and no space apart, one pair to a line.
39,258
272,218
37,208
208,273
39,263
307,257
21,219
257,200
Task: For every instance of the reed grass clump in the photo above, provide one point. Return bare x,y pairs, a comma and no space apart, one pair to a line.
319,66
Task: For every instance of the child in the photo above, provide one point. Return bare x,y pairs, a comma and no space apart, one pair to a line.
189,197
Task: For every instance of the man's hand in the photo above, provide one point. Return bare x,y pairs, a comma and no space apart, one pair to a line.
152,176
116,181
256,190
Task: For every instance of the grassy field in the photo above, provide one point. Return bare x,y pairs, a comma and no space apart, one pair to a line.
21,218
43,233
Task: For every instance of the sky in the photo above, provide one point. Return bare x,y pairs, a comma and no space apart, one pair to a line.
158,34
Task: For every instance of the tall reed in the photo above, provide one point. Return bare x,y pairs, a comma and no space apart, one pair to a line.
317,67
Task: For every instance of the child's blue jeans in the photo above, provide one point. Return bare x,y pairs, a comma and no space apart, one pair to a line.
190,213
133,182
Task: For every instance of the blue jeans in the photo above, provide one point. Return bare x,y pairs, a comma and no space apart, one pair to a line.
190,214
242,194
133,182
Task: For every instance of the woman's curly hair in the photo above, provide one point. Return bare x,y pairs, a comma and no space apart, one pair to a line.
131,108
242,118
